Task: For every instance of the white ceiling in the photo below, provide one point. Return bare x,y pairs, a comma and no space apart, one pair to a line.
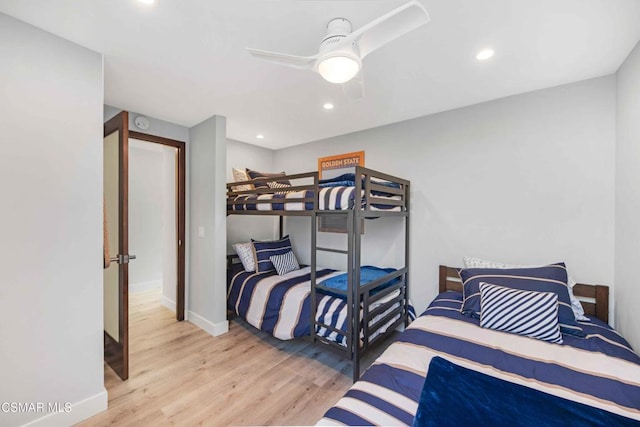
184,61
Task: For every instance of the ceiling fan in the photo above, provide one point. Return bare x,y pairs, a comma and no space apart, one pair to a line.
342,51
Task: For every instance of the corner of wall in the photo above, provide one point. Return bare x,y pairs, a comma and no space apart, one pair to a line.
626,295
207,225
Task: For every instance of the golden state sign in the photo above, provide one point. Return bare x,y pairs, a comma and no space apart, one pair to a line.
340,161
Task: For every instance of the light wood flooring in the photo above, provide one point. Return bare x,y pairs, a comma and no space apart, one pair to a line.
180,375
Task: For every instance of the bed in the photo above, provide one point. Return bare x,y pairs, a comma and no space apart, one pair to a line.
280,305
377,193
597,373
354,320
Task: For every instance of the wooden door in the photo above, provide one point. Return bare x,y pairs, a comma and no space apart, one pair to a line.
116,263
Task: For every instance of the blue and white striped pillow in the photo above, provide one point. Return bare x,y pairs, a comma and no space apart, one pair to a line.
529,313
285,263
263,250
277,185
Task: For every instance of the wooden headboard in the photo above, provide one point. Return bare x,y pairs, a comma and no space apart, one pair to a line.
232,259
594,298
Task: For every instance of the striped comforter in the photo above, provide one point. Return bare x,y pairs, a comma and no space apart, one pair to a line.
600,370
329,198
280,305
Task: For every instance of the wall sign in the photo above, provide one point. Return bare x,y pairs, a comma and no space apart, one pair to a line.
341,161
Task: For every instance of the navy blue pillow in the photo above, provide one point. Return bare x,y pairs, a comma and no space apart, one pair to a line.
264,250
255,174
551,278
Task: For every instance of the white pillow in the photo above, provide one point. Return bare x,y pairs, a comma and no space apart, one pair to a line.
578,310
240,175
245,253
285,263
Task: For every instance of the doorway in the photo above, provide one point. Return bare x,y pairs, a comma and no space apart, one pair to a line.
152,222
179,182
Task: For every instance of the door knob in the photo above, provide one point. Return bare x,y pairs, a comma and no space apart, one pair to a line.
122,259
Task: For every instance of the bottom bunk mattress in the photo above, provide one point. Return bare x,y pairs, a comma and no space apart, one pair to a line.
600,371
280,305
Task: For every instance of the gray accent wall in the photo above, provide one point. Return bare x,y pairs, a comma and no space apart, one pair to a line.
51,97
208,230
526,179
627,222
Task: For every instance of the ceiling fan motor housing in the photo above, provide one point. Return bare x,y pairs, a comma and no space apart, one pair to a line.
337,29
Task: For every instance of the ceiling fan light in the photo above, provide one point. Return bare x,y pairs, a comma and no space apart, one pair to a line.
338,69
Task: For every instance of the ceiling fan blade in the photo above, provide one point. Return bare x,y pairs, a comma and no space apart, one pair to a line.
354,88
389,27
300,62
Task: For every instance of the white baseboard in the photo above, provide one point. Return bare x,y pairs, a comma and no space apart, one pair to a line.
80,411
145,286
171,305
214,329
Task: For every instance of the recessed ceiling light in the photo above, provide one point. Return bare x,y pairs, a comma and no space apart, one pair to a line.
260,136
485,54
328,106
147,1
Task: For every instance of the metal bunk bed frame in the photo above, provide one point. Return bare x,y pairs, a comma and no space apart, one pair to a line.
357,296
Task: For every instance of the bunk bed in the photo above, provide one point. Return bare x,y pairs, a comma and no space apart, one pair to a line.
444,369
350,320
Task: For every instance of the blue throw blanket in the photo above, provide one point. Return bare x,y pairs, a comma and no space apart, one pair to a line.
368,273
349,180
457,396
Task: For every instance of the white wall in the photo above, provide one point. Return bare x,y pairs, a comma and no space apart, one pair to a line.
524,179
208,234
152,219
243,228
627,291
146,219
51,96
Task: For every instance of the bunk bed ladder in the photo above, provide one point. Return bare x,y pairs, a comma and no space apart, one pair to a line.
407,233
355,240
352,348
314,266
354,294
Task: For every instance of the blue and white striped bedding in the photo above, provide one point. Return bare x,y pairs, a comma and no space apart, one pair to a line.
280,305
599,370
329,198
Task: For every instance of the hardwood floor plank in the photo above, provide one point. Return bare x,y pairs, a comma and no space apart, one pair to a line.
182,376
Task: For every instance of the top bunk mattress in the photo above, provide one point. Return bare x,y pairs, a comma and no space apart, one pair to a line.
334,198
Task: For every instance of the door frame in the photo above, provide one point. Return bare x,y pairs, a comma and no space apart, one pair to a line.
116,353
181,211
